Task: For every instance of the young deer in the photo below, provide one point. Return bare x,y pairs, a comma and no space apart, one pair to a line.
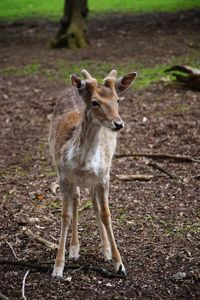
82,142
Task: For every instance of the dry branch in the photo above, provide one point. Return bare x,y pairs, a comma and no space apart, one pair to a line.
186,75
13,251
164,156
49,244
2,297
159,168
23,285
134,177
26,264
46,267
196,177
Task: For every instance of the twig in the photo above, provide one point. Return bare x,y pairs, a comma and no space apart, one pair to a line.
2,297
49,244
196,177
46,268
23,285
178,158
134,177
159,168
15,255
26,264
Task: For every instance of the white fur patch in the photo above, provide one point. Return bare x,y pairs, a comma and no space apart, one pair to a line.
81,168
94,163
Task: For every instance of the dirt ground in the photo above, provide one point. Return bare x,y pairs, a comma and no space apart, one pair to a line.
156,223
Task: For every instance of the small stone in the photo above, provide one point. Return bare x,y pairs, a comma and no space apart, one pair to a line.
108,284
33,220
69,278
179,276
185,180
144,120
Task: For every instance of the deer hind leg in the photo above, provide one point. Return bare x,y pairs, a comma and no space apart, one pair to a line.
66,216
105,244
106,220
74,243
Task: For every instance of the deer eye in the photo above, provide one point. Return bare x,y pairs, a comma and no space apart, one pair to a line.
95,103
118,100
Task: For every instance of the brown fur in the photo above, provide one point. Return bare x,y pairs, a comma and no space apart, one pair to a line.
64,128
82,141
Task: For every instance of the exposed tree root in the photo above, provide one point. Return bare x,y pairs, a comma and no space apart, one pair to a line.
47,268
164,156
49,244
2,297
133,177
185,75
161,169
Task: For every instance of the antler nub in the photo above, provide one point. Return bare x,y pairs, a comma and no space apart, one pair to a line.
89,80
86,75
110,79
112,73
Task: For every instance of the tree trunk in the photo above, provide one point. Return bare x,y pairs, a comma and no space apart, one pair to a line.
73,29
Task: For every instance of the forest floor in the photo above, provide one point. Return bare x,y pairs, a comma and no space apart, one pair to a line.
156,223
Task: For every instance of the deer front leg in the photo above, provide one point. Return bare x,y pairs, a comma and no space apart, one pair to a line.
66,217
106,219
74,243
103,235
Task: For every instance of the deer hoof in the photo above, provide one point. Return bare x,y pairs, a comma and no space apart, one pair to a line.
58,271
121,270
74,252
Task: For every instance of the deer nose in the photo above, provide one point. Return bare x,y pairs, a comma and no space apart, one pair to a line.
118,125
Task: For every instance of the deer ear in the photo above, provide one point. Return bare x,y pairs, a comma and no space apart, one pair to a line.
123,83
77,82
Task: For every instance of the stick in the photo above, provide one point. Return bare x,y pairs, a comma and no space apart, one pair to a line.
134,177
2,297
196,177
23,285
157,167
178,158
26,264
49,244
15,255
46,268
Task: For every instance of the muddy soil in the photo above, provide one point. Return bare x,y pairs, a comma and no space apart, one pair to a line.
156,223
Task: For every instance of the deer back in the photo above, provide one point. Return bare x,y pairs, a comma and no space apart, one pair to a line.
64,120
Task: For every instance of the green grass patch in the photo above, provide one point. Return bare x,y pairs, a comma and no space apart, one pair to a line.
138,6
146,76
30,69
55,204
121,216
15,9
184,229
87,205
178,109
99,69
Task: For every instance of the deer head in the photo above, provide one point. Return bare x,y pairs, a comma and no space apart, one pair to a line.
102,100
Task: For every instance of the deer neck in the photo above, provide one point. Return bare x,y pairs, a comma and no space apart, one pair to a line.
87,137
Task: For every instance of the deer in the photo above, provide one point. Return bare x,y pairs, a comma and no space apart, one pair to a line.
82,140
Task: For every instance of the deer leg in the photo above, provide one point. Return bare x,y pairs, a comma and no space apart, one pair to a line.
106,219
103,235
66,216
74,243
